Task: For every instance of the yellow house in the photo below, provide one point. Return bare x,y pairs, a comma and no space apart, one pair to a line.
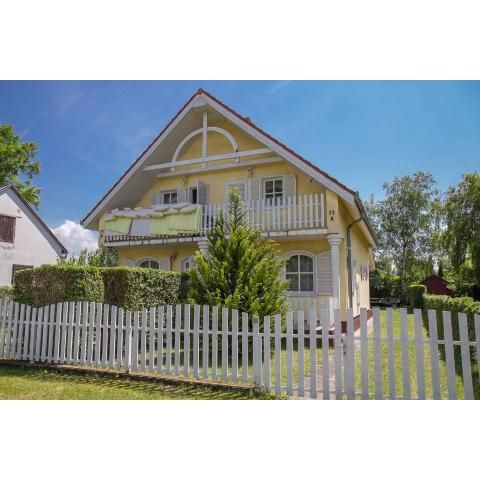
158,212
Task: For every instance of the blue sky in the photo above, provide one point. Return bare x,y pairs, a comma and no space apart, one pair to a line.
362,133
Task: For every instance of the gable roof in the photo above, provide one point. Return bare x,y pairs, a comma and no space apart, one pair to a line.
35,214
434,277
244,123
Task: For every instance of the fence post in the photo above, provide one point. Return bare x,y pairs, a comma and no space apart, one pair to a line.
257,374
128,342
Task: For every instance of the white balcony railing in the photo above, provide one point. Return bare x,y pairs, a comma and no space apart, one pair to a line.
304,212
289,213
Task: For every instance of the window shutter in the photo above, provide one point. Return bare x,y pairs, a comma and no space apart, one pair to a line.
324,273
154,198
181,195
165,264
255,188
202,193
289,186
240,185
7,229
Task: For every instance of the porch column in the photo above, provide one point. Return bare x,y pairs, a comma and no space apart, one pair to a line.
334,239
203,246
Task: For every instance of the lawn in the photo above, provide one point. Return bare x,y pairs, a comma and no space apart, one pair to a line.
398,363
18,383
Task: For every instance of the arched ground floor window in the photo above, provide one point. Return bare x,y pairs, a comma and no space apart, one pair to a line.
300,270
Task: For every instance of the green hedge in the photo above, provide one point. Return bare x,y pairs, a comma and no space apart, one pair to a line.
49,284
415,295
127,287
6,292
467,305
135,287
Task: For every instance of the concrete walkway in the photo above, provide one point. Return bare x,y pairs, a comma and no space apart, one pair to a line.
331,366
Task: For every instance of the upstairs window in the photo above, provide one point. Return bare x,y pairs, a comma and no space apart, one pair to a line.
169,197
299,272
7,229
273,190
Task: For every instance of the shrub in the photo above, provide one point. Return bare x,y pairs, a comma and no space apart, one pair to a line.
6,292
49,284
415,295
240,269
135,287
467,305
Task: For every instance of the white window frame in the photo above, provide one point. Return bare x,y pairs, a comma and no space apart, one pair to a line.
184,261
149,259
295,293
169,192
273,179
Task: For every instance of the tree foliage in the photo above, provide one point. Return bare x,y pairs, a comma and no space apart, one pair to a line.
462,218
407,224
240,269
17,167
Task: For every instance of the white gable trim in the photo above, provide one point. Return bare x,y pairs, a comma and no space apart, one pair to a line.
281,151
141,160
200,99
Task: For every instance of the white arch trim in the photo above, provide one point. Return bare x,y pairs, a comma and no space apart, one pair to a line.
199,131
311,255
144,259
298,252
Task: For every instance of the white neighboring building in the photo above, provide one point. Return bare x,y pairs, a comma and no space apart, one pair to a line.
25,240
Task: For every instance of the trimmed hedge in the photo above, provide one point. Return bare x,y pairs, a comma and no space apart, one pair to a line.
6,292
49,284
467,305
415,295
135,287
127,287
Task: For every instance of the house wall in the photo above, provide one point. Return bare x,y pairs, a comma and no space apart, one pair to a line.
32,244
360,257
337,217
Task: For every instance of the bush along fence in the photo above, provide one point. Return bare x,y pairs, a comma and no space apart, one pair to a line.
309,357
127,287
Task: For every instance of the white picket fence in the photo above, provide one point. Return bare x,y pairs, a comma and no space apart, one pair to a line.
215,343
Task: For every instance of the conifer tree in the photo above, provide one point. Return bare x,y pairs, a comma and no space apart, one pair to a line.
240,269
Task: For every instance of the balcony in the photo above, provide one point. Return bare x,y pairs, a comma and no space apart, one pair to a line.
273,217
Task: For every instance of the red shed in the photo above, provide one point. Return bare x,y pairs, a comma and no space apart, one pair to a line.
437,286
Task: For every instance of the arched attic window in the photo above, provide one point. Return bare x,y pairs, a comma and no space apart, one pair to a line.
204,132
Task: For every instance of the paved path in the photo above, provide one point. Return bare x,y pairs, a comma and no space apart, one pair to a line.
331,366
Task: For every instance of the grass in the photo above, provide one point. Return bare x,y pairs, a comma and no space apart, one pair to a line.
283,363
18,383
398,363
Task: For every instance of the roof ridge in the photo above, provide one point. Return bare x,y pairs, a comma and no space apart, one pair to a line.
36,215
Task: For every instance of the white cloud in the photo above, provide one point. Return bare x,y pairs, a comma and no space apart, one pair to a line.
277,86
75,237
